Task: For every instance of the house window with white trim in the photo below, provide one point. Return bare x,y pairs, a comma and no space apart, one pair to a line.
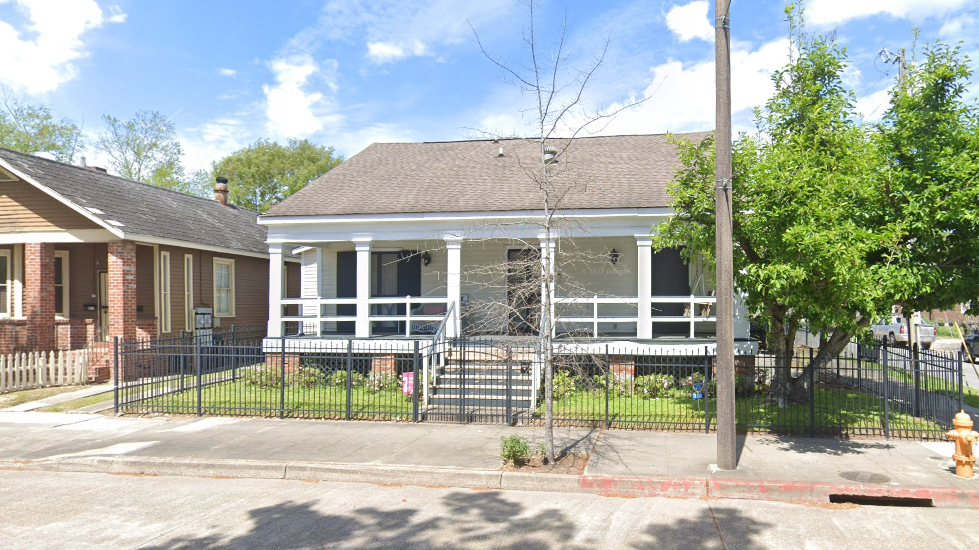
224,287
165,292
5,283
61,283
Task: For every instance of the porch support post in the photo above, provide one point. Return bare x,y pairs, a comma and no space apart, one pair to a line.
275,291
547,248
39,295
122,290
453,284
18,280
644,330
363,326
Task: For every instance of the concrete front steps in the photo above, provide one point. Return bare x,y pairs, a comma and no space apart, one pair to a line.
479,386
100,362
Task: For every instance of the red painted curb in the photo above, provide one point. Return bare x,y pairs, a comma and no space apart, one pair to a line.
819,492
643,486
786,491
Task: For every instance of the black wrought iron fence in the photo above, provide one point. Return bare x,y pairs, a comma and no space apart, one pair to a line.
874,391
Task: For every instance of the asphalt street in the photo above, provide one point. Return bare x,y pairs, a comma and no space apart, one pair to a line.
75,510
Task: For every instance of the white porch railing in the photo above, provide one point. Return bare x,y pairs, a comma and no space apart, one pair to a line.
317,318
429,321
595,301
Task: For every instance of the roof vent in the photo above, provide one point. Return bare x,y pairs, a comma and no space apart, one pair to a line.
550,154
221,190
501,151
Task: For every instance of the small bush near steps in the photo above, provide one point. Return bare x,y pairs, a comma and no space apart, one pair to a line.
514,448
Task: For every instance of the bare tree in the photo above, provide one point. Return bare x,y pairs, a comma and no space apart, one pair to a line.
559,114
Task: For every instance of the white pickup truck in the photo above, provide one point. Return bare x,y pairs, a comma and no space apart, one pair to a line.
895,332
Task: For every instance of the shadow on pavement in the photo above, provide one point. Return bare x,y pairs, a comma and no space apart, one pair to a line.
477,518
713,527
833,447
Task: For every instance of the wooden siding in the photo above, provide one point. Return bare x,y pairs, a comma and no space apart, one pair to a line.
145,296
24,207
251,286
84,262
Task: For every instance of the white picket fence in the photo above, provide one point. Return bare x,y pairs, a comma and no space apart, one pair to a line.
25,371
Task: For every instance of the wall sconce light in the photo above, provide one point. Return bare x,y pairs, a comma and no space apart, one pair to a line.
426,258
613,256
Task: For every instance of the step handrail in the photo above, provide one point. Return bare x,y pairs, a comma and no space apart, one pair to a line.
434,354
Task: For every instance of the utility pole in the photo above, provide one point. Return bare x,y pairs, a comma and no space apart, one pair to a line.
727,456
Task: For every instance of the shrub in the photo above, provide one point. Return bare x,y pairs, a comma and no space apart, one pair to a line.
514,448
616,386
306,377
380,381
339,379
564,385
266,377
654,385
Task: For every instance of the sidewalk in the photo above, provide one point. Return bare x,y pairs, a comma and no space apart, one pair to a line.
622,463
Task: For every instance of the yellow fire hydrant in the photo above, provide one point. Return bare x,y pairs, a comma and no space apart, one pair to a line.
964,437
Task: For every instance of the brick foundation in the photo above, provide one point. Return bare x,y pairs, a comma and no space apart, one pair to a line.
384,364
274,359
623,367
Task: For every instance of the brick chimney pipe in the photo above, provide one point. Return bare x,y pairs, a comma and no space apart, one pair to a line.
221,191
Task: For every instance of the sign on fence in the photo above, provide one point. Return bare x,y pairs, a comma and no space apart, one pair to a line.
25,371
407,383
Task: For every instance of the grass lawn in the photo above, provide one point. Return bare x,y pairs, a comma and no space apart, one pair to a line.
26,396
836,411
78,403
240,397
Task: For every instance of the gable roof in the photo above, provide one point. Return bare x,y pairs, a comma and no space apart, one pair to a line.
470,176
133,210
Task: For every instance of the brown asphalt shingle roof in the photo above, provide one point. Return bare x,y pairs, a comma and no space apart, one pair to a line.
469,176
146,209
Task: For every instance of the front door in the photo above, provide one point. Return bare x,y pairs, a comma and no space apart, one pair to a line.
103,305
523,290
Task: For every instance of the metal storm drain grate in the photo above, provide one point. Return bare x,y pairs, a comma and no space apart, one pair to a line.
864,477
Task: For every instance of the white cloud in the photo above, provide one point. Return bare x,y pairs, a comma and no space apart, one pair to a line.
228,72
354,142
835,12
681,97
381,52
690,21
393,30
39,57
212,141
292,109
873,106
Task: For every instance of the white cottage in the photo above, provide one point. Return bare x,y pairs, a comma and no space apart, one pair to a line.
406,239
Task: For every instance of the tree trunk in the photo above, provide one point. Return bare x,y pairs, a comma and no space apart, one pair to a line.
795,389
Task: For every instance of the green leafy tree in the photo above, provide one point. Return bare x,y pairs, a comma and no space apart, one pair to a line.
144,148
808,245
32,128
930,137
266,172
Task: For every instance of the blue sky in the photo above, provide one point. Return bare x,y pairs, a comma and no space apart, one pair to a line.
345,73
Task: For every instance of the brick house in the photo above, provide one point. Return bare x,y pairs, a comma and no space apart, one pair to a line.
86,256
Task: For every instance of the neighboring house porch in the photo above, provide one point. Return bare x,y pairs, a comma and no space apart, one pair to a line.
86,257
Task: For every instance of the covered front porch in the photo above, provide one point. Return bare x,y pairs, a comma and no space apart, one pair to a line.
612,288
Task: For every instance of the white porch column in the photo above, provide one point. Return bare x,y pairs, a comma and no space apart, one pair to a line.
453,284
645,268
18,277
547,248
363,327
275,291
